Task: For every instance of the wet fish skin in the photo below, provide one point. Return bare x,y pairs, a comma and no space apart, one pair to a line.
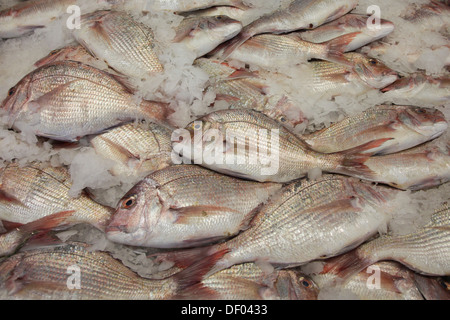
425,250
248,282
164,210
138,149
419,88
42,273
395,282
400,170
203,34
30,193
232,12
66,100
306,221
433,288
187,6
299,14
127,45
406,126
355,24
281,156
25,17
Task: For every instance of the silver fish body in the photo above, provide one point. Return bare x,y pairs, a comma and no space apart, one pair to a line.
403,127
127,45
66,100
31,193
166,211
138,149
203,34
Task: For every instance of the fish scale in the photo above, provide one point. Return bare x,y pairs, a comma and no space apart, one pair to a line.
42,192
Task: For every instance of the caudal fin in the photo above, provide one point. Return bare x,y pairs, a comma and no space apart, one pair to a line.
196,272
225,49
346,265
337,47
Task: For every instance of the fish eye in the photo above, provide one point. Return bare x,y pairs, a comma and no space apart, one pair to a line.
197,126
11,91
305,282
420,111
283,119
129,202
219,18
373,61
54,52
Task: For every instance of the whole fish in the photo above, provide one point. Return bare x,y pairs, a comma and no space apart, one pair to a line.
125,44
405,126
30,193
355,26
248,144
138,150
166,211
425,250
248,282
51,273
419,88
418,168
307,220
381,281
67,100
242,89
271,50
203,34
299,14
12,240
27,16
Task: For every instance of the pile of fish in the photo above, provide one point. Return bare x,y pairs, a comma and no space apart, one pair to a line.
242,188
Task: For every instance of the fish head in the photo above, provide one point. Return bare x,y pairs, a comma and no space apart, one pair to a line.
136,214
17,98
372,71
294,285
429,122
383,29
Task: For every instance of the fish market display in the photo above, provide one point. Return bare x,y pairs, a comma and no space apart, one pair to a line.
224,150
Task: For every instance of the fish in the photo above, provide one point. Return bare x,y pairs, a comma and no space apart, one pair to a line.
74,52
28,16
165,210
406,126
33,192
137,149
11,241
432,15
381,281
67,100
424,250
433,288
272,50
73,271
243,89
248,282
126,45
248,144
180,6
325,77
355,26
235,13
418,168
203,34
305,221
299,14
419,88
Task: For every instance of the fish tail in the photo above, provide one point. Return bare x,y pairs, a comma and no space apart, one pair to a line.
156,111
185,258
196,272
353,160
49,222
346,265
336,48
227,48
